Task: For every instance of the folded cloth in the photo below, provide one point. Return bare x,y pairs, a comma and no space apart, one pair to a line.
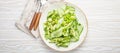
26,17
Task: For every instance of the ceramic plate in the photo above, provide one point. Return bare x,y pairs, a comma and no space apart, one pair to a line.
80,16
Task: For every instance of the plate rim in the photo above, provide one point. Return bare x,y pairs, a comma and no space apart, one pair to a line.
83,38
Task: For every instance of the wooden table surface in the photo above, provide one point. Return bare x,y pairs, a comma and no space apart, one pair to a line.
103,33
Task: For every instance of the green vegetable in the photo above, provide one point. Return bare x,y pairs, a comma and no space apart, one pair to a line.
62,26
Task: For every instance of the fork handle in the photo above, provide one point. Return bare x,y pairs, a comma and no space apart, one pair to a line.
33,21
37,20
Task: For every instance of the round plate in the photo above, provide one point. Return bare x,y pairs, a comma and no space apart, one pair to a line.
80,16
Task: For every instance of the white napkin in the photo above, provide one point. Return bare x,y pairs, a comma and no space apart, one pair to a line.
25,19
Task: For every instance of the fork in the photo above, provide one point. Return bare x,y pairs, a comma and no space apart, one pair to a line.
37,15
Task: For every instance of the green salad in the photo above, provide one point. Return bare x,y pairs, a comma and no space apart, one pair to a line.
62,26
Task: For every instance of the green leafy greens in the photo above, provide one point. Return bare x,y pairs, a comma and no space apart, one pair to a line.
62,26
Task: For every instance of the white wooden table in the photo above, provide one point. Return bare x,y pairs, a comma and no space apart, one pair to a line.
103,35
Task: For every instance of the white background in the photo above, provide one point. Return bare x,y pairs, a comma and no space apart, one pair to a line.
103,33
